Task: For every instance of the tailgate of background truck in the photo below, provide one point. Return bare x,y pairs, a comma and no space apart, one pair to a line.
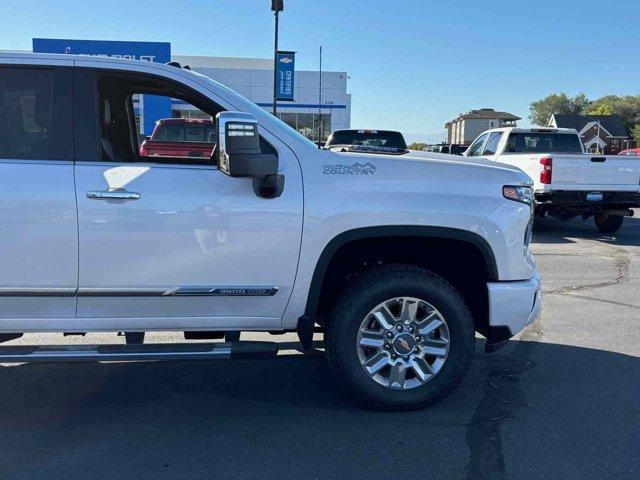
596,172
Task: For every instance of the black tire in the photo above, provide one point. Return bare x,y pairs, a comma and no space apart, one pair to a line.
370,289
608,223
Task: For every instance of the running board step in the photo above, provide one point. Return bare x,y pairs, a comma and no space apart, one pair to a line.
134,353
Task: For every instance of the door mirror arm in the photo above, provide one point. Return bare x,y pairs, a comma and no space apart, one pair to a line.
270,186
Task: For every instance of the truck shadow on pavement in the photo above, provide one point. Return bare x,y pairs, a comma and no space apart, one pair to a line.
550,230
533,409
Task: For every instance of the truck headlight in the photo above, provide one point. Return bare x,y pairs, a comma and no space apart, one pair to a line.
518,194
523,195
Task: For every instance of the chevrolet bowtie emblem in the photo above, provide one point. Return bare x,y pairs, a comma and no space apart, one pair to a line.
405,344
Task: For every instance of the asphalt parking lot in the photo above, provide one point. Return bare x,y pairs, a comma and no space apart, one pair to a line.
560,401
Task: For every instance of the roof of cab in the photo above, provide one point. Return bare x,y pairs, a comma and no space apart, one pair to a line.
53,58
532,130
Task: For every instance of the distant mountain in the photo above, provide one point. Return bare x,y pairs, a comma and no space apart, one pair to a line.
424,137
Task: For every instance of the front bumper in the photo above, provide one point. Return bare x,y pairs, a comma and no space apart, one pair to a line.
512,306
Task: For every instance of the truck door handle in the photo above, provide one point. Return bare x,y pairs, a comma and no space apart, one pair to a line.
112,195
598,159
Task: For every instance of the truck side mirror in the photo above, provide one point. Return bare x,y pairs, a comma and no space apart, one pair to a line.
239,154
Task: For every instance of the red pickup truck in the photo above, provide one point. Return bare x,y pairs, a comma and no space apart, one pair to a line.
180,137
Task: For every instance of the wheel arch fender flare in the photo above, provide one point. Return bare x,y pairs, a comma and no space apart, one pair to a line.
306,322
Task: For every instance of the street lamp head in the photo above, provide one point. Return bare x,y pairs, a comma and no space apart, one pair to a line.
277,5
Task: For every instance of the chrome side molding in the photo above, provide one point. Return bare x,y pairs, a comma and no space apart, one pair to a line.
253,291
223,291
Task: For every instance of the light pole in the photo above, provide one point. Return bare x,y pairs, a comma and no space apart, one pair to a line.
320,101
276,6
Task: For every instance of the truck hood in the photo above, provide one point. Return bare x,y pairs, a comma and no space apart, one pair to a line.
416,161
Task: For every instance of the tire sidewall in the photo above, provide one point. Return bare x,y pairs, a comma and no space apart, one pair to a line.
608,223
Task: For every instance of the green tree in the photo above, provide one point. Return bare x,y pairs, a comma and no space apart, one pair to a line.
417,146
627,106
541,110
600,109
635,133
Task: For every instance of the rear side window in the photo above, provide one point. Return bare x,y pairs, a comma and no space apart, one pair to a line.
542,142
25,113
492,144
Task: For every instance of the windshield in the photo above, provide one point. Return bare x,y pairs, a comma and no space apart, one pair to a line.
542,142
367,138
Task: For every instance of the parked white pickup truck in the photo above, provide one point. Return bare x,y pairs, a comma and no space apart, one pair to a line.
567,181
398,259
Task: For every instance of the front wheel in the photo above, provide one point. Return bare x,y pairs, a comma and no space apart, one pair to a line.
400,338
608,223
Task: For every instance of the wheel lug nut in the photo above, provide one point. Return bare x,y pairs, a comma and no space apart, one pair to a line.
389,334
418,338
410,329
387,346
399,327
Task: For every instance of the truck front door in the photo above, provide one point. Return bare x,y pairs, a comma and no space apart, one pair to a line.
171,243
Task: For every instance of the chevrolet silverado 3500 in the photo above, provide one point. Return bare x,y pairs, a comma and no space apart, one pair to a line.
399,260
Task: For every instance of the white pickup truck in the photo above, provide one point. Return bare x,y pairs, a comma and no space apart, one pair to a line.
398,259
567,182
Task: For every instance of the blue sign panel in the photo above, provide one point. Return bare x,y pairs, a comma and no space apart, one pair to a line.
286,76
153,107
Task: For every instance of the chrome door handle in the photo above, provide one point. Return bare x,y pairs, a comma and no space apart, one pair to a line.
114,195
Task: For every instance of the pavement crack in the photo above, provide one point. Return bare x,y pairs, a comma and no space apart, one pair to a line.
622,263
595,299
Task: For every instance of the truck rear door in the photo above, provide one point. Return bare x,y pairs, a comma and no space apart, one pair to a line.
599,172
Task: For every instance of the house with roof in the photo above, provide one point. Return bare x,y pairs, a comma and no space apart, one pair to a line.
602,133
463,129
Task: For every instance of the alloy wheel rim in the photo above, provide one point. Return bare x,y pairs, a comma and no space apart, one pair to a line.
403,343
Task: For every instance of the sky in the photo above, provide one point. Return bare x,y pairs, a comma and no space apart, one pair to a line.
412,65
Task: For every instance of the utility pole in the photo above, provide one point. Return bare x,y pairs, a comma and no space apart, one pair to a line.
276,6
320,102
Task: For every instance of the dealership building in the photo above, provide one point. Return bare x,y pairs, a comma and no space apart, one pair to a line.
251,77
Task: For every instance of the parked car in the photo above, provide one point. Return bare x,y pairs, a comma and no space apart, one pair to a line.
567,181
631,152
399,260
367,141
452,149
180,137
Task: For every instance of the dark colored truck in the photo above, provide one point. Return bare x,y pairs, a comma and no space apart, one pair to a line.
367,141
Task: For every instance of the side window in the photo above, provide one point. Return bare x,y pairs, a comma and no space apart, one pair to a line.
492,144
475,148
148,118
144,118
25,113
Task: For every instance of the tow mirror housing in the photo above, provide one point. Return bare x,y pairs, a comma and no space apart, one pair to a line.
239,154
